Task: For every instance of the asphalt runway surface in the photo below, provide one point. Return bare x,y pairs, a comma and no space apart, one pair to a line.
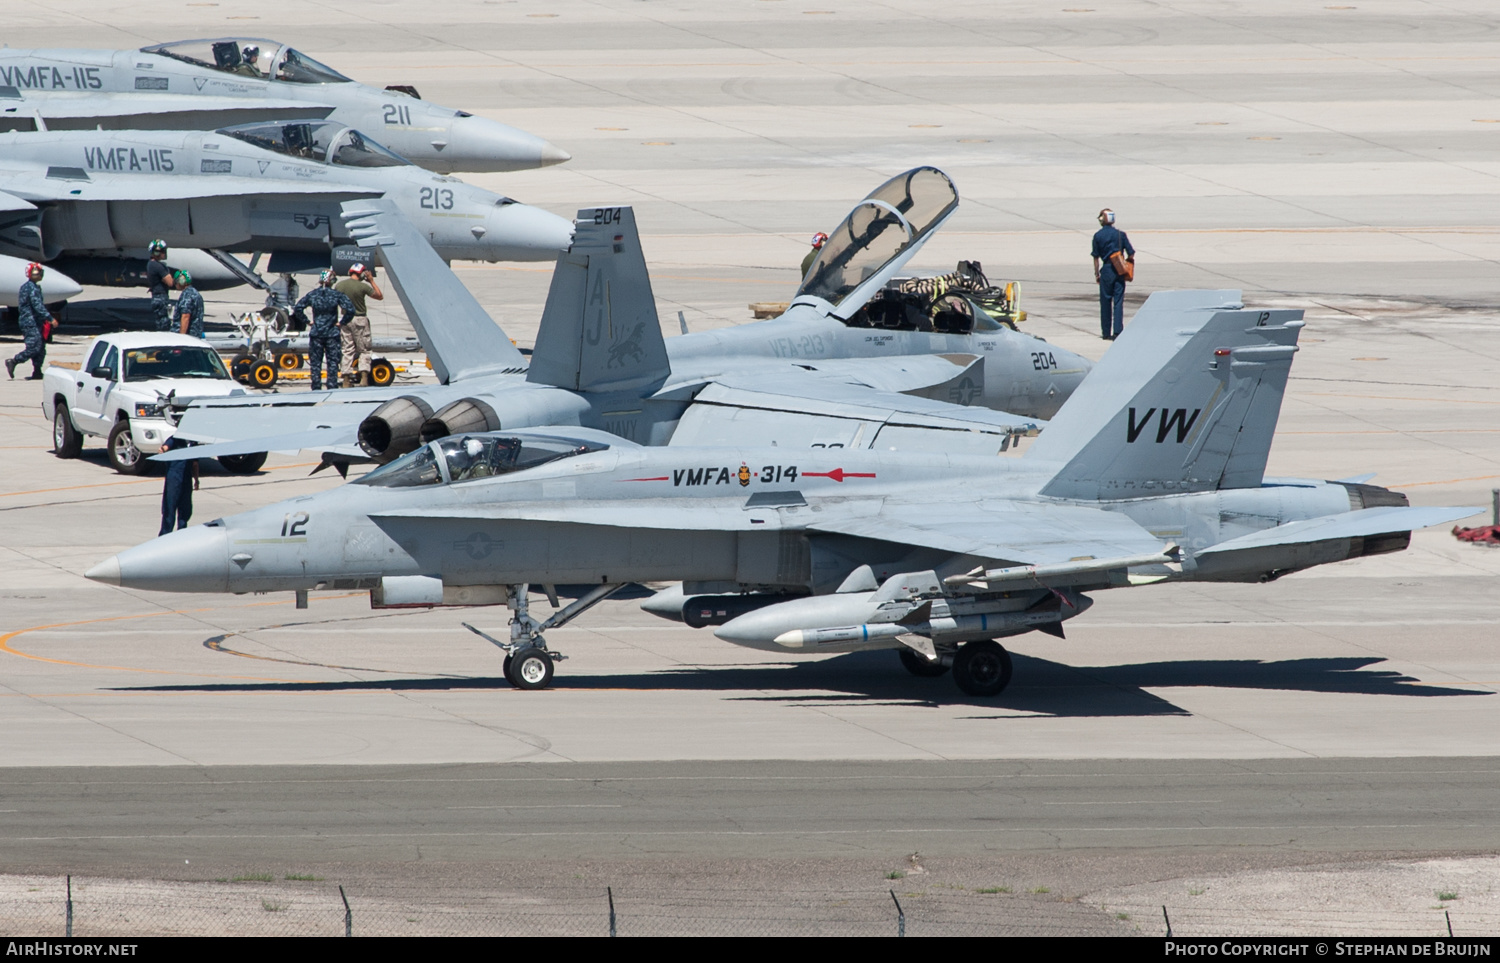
1337,158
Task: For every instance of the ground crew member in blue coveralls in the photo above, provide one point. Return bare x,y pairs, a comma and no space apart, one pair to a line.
34,315
177,493
159,280
189,306
1108,240
323,334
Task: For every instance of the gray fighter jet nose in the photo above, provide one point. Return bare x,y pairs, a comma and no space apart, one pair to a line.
191,560
481,144
524,233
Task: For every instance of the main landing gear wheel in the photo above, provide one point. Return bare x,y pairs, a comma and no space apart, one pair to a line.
505,669
243,464
530,669
918,665
982,668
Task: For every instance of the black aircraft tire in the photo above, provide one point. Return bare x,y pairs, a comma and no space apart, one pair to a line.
382,372
505,668
531,669
243,464
918,665
982,668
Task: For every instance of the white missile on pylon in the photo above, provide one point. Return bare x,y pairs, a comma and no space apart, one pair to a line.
1064,572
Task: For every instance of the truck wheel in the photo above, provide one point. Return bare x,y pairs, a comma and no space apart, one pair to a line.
66,441
982,668
124,456
243,464
262,374
382,372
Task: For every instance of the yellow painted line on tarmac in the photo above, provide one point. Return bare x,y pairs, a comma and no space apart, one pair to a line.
6,647
1447,481
69,488
130,481
1446,401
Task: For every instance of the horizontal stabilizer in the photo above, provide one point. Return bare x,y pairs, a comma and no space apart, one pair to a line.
599,329
461,339
1358,524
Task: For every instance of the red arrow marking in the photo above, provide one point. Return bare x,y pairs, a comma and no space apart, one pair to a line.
662,478
838,474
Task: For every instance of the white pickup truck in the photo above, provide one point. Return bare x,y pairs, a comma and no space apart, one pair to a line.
122,393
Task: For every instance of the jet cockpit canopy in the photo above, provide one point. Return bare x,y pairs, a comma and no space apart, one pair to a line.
317,140
891,221
252,57
462,458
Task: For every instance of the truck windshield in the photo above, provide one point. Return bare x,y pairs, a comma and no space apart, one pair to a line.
173,361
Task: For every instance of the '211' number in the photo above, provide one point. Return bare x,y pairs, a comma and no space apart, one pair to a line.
397,114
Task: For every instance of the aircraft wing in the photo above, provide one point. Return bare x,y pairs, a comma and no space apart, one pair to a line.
254,424
800,411
992,529
78,185
10,202
1002,530
1358,524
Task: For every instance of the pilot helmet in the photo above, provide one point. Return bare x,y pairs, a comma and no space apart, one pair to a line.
34,271
1106,217
357,270
159,246
819,239
251,54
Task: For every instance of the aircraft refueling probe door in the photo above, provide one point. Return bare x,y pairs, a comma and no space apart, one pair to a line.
882,232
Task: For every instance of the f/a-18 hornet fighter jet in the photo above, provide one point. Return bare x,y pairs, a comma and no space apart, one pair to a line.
267,187
208,84
1153,471
821,374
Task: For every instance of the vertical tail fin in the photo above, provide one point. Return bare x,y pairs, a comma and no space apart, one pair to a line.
1201,389
461,339
599,330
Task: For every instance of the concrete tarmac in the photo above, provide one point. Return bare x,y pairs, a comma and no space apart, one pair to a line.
1336,158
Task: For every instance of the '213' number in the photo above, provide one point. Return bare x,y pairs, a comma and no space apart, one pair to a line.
437,199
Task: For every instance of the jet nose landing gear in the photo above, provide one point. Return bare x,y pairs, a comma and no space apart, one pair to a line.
528,662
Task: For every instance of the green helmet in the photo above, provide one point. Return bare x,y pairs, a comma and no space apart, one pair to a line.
158,246
183,278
